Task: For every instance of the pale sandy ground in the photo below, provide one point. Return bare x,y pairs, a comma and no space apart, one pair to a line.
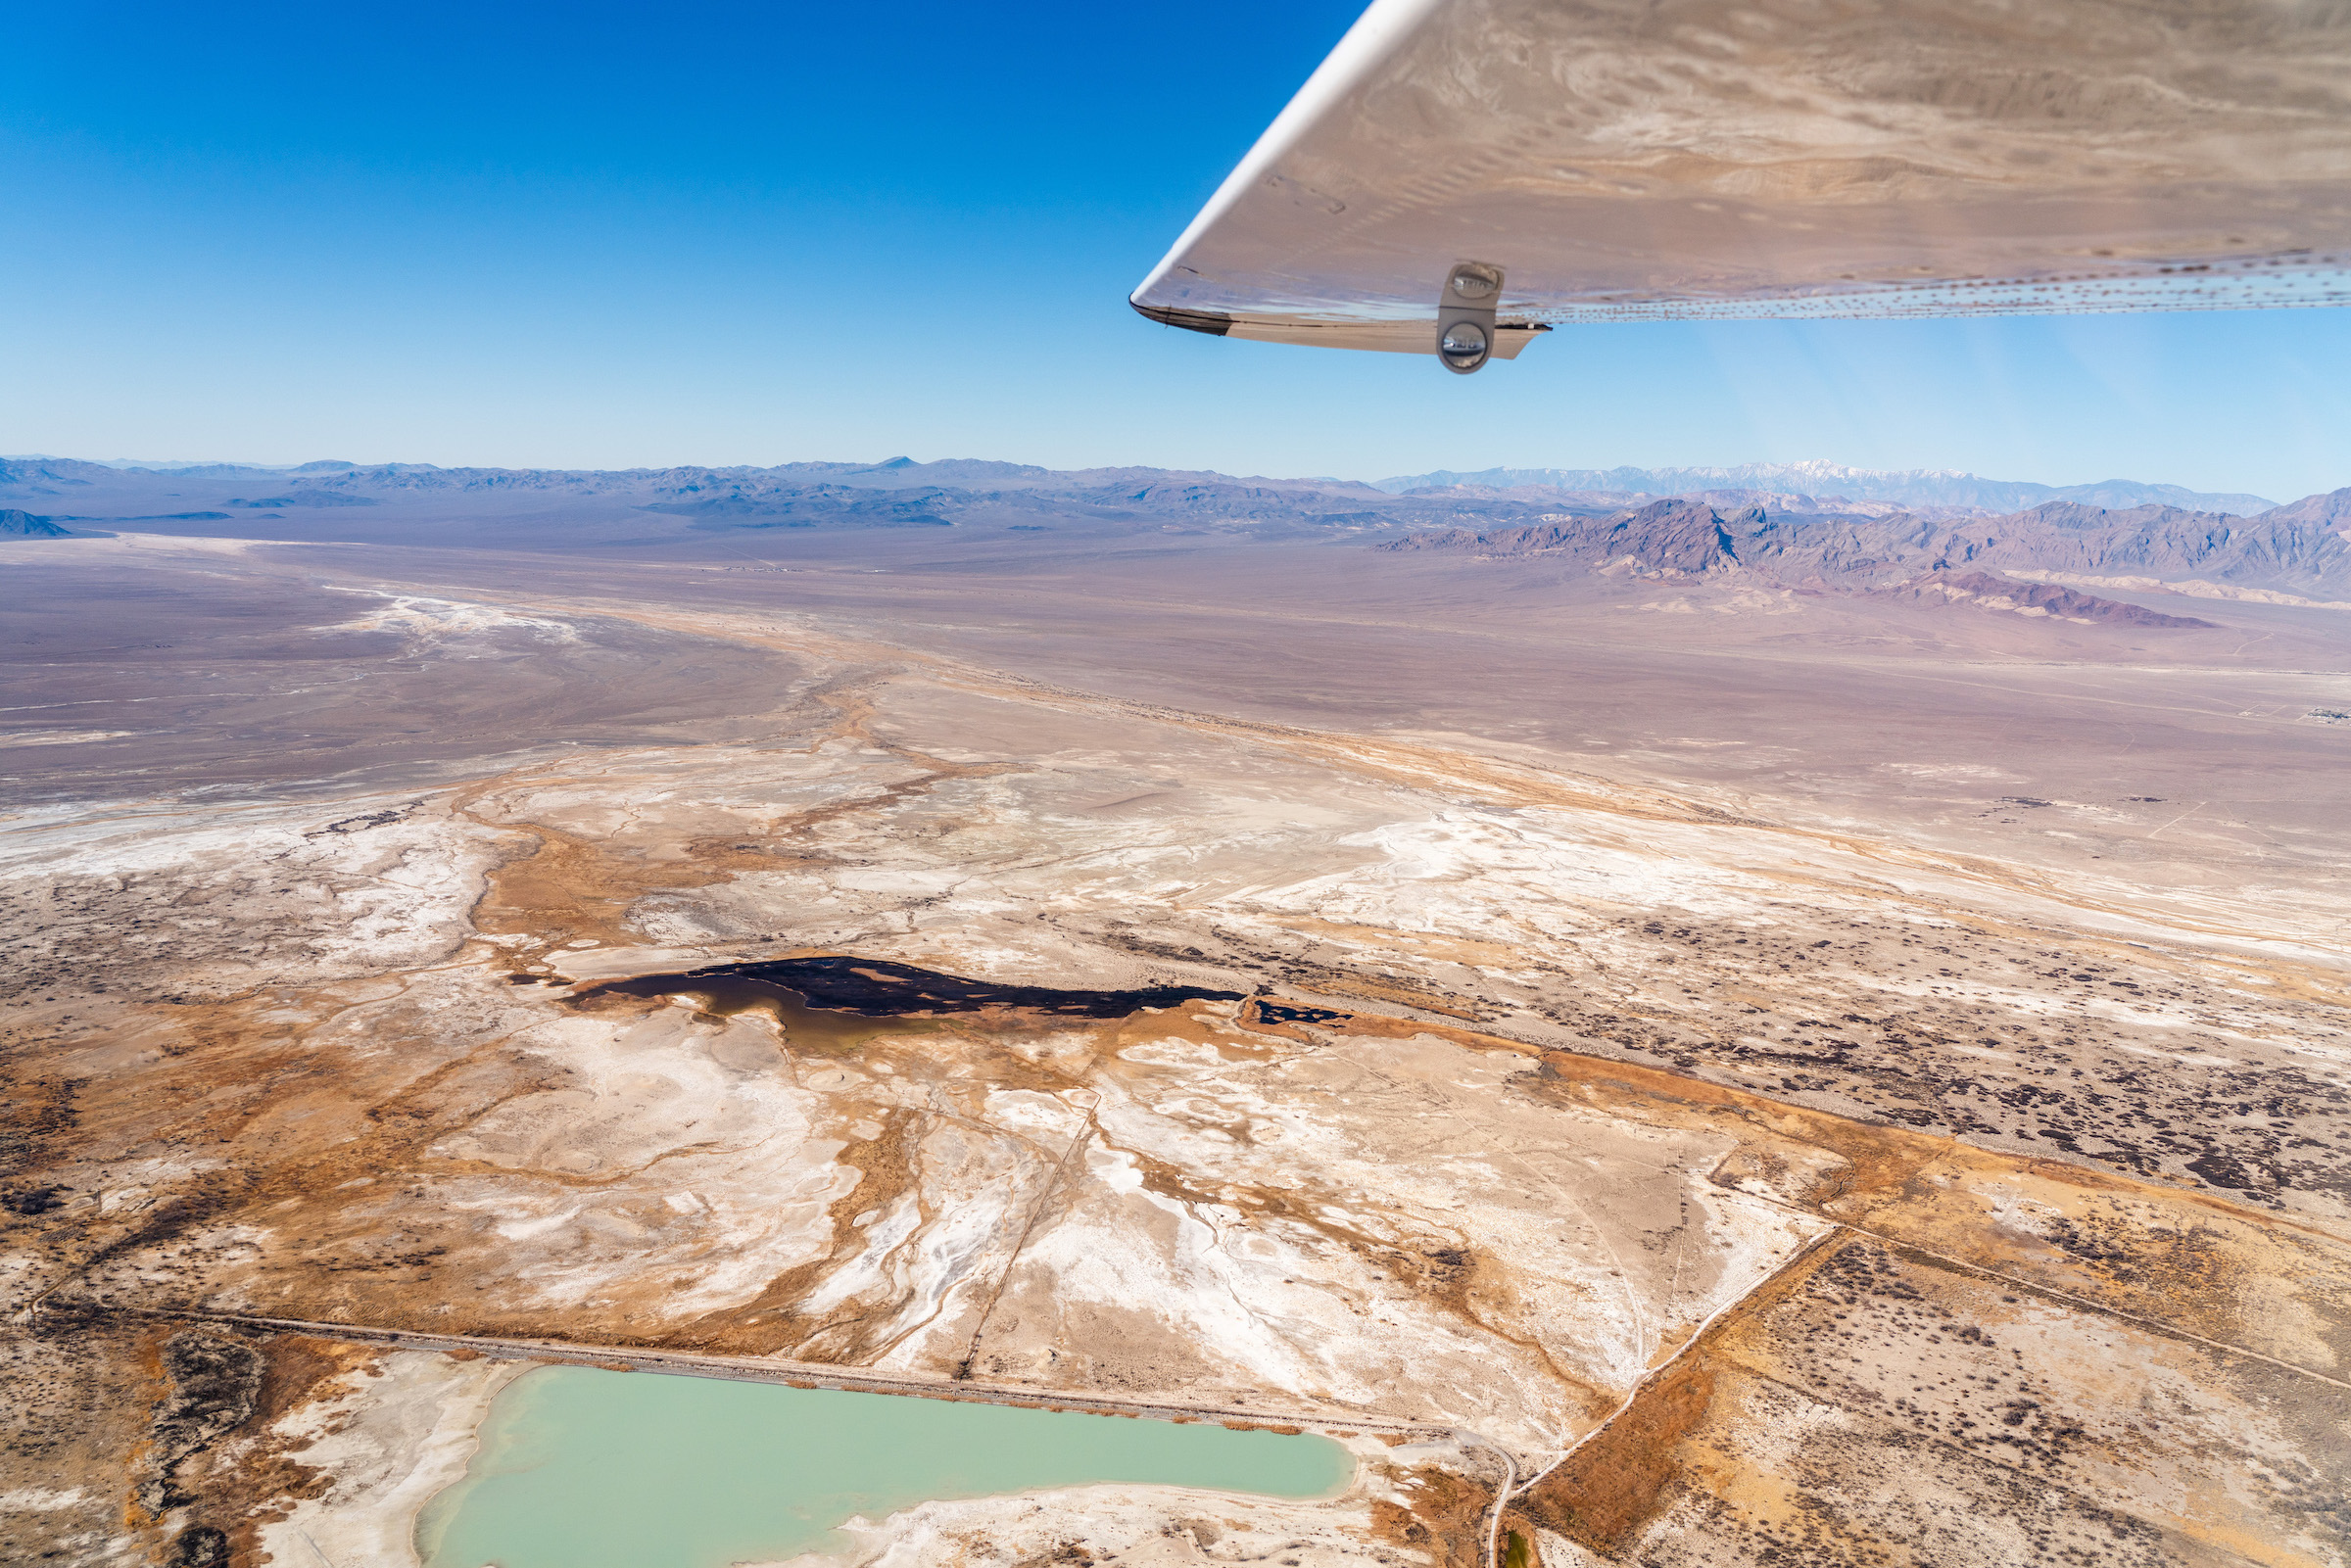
1149,1527
303,1082
391,1436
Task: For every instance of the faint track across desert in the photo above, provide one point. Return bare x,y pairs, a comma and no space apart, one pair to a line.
766,1369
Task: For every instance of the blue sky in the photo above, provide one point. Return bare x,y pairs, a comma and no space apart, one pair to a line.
610,236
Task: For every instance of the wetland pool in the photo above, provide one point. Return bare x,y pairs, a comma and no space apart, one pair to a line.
581,1468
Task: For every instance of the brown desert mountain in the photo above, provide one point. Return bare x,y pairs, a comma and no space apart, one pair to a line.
1989,591
2331,510
1683,535
1844,551
2157,542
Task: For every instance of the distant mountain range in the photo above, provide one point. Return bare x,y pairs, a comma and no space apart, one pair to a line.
186,465
1754,519
1686,537
1907,488
1914,487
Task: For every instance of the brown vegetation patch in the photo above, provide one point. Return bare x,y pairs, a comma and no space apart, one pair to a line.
1893,1405
2142,1246
2176,1257
1603,1493
314,1136
256,1480
81,1391
36,1113
1444,1516
208,1398
567,889
1210,1024
1391,988
1624,1474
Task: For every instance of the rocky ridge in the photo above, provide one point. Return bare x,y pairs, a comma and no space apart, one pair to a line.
1989,591
1909,488
16,524
1683,536
2331,510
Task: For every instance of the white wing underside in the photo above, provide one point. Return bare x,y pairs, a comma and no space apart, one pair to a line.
1630,158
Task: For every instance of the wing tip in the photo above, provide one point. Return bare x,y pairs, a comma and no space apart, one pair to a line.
1215,323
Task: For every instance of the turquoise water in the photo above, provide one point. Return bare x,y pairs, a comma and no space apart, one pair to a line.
580,1468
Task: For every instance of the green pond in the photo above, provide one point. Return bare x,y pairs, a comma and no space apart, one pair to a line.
580,1468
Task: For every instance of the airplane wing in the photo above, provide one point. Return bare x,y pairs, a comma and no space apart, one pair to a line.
1460,175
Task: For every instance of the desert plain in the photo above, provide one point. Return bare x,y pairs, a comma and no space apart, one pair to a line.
1674,1061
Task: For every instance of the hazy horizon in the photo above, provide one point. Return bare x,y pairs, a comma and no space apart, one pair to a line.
1826,466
